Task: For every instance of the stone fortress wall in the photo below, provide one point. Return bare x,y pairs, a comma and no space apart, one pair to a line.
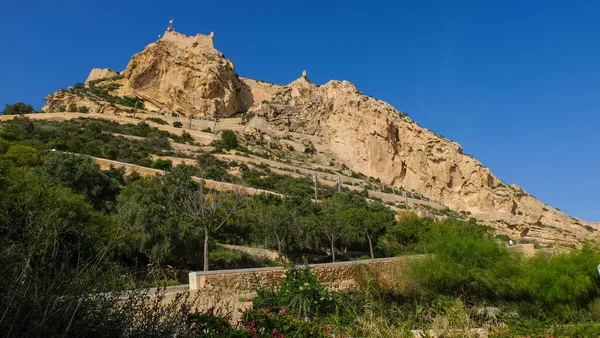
189,42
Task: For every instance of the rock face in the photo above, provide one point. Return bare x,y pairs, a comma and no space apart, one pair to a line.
100,73
185,75
177,73
371,137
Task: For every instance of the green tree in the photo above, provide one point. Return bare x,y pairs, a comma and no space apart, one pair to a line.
206,210
23,155
369,222
72,107
155,230
161,164
275,222
408,230
84,177
18,109
229,140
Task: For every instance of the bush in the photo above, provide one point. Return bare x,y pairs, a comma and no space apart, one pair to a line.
18,108
157,120
72,107
162,164
177,124
467,263
83,110
206,130
564,279
300,294
229,140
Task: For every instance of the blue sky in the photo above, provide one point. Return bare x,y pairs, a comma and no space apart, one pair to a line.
515,82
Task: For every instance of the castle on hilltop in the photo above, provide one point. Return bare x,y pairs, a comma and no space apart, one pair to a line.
185,41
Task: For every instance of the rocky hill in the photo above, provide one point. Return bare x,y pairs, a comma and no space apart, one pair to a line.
333,123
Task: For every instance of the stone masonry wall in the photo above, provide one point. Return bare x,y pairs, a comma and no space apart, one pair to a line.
232,291
337,276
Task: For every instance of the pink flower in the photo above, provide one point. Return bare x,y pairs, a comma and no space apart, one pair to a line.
281,311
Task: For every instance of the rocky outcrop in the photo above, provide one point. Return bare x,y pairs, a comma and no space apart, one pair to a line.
185,76
371,137
177,73
100,73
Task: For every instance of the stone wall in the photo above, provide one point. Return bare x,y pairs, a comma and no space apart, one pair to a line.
189,42
337,276
232,291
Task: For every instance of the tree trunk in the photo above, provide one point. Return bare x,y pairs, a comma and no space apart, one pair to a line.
332,252
205,249
370,246
279,251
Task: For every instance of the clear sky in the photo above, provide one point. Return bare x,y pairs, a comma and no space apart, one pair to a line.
515,82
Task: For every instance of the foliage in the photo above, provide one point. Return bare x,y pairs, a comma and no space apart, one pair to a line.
274,222
162,164
18,109
101,92
93,137
177,124
466,262
83,176
229,140
266,323
157,120
300,294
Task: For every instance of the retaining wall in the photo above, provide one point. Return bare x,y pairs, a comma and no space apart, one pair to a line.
337,276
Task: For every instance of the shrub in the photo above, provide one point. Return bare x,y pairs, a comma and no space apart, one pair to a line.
177,124
72,107
564,279
466,262
300,294
157,120
162,164
229,140
206,130
83,110
186,137
17,109
282,324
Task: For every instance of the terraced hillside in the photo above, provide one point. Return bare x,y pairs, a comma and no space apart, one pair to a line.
332,131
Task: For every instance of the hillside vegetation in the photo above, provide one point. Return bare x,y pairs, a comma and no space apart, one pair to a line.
70,231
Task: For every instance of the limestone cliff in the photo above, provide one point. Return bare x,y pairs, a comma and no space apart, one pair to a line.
371,137
177,73
184,75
